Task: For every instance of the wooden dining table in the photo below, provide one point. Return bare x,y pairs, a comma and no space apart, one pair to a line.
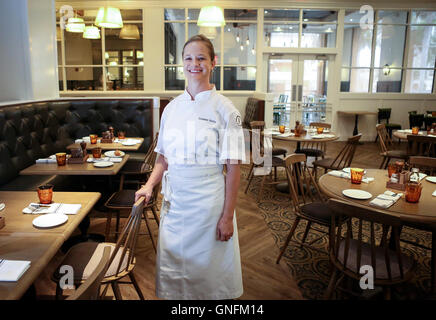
401,134
305,137
20,240
82,169
116,145
421,215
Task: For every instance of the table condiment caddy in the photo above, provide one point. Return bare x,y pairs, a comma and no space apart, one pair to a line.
78,155
398,181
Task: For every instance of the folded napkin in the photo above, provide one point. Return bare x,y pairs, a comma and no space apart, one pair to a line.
346,175
61,208
12,270
422,176
115,159
434,193
405,130
385,200
45,160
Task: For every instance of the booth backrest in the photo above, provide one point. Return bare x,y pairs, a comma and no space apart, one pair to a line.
36,130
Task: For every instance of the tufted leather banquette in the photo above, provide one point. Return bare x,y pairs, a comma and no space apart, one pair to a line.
36,130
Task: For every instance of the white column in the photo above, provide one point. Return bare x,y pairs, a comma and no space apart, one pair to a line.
15,77
43,49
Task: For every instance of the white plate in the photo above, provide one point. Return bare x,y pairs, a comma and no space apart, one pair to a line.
128,143
50,220
357,194
111,154
103,164
431,179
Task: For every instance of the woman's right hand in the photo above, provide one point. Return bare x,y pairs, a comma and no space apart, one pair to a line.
146,191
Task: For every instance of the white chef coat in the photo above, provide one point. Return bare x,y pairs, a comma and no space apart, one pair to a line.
197,137
204,131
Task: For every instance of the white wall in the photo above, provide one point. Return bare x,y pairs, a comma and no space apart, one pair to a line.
43,50
15,79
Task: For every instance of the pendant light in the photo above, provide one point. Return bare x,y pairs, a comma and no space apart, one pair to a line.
386,69
237,37
130,32
211,16
75,25
91,32
109,17
247,41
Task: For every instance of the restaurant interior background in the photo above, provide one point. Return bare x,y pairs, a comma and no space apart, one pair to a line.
311,58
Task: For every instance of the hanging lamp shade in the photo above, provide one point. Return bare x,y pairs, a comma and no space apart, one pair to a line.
109,17
129,31
75,25
91,32
211,16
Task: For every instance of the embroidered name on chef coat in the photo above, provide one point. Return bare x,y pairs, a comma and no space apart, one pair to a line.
204,119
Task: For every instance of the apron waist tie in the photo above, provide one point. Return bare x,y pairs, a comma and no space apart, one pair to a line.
166,188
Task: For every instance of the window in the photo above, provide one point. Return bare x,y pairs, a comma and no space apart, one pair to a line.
302,28
93,64
234,45
384,64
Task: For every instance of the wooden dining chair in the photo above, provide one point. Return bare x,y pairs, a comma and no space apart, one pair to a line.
84,257
260,149
420,145
137,172
90,288
123,200
386,144
260,126
348,252
315,149
425,164
342,160
308,202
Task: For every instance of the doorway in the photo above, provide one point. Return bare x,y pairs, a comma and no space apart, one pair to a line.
298,83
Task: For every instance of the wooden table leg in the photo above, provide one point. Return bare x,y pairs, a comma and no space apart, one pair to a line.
433,262
356,120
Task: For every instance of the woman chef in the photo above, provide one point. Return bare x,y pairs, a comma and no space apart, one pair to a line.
200,132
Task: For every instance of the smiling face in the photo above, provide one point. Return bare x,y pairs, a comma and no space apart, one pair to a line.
197,62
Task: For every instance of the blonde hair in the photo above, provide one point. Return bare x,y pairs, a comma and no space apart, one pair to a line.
205,40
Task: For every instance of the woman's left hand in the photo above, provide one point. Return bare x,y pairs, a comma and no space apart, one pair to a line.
224,229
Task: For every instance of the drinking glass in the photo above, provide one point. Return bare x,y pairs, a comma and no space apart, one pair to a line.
413,192
61,158
319,130
392,168
356,175
93,138
282,129
121,135
415,130
45,193
96,153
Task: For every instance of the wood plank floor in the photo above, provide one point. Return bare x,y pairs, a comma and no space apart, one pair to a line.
262,277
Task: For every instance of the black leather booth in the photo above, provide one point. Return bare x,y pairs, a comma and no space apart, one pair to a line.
36,130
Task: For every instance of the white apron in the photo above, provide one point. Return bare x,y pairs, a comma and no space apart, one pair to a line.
191,263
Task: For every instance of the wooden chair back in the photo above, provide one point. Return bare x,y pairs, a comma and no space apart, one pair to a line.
126,244
321,125
90,289
385,141
257,128
303,188
150,157
420,145
425,164
346,155
340,239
